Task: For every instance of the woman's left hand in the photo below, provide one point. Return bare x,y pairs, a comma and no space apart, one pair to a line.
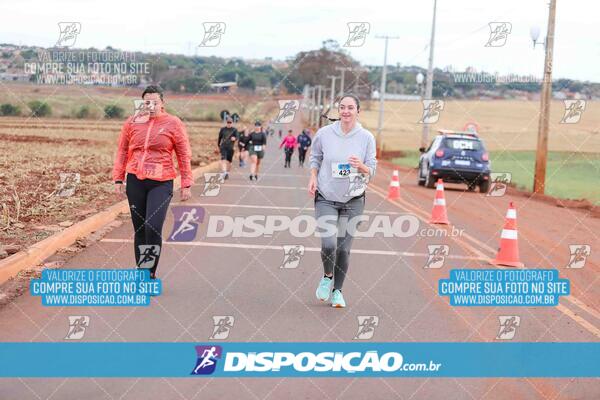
186,194
359,165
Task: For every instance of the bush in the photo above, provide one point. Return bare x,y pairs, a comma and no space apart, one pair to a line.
9,110
247,83
113,111
39,108
83,112
211,116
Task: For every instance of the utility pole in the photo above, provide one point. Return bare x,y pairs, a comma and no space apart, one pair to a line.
429,83
319,101
541,155
342,70
313,104
332,97
382,94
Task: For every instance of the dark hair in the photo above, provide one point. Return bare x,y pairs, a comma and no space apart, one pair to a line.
153,89
352,96
339,100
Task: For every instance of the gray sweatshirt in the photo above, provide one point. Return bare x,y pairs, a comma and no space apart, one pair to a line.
330,148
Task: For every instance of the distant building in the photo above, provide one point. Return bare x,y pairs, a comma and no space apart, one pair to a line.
224,87
277,64
16,77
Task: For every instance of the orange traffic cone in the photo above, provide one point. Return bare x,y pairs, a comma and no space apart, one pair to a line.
508,253
394,188
438,214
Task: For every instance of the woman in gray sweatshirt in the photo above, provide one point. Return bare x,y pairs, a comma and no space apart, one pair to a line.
342,160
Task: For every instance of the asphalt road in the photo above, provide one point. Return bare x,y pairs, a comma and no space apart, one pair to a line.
242,277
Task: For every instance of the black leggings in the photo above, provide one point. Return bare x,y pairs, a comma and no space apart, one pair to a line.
301,155
148,202
288,156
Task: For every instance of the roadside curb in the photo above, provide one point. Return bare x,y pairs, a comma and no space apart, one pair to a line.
38,252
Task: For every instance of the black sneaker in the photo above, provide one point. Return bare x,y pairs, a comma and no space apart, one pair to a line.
255,177
226,176
250,177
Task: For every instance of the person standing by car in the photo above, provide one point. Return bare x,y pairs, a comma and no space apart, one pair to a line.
341,151
145,153
228,135
304,142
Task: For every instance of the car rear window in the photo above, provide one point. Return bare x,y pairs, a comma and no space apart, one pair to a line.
463,144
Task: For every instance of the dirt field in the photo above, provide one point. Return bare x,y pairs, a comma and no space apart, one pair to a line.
504,125
33,153
66,100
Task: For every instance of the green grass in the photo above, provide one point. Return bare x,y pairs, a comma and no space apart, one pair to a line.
568,176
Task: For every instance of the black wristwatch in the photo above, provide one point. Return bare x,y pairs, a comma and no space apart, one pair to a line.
121,182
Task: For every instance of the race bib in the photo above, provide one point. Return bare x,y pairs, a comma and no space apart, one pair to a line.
341,170
152,171
258,147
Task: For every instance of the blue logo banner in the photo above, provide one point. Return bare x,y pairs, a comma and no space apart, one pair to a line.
197,360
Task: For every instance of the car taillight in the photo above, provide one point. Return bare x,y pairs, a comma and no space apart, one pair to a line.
485,157
439,153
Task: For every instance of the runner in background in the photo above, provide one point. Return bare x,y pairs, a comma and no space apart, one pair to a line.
243,146
145,154
288,143
304,142
340,151
228,135
270,129
280,133
257,142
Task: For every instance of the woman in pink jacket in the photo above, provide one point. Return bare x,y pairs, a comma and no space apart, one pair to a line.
288,143
144,161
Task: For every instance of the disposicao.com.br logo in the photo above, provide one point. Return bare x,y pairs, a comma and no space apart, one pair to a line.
326,363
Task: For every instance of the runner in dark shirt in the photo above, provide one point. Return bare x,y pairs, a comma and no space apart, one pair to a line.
243,147
257,142
304,142
228,135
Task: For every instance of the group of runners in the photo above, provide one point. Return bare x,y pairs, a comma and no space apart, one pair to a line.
144,170
251,146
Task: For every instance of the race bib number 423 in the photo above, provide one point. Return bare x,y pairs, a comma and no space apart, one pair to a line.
341,170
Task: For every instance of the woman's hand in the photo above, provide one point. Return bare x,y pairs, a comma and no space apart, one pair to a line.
186,194
312,185
119,188
355,162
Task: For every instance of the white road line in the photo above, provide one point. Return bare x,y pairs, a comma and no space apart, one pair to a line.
273,208
267,175
251,185
279,248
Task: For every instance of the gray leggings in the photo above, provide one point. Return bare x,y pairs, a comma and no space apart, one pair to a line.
335,249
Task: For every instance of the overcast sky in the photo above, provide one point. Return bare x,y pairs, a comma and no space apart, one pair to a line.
280,29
